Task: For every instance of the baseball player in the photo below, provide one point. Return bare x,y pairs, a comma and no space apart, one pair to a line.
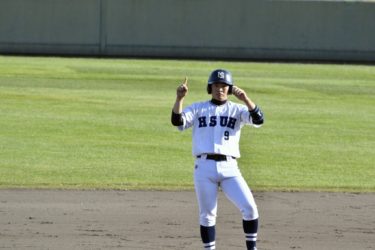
216,133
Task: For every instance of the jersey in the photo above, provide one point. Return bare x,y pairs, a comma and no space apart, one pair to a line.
216,128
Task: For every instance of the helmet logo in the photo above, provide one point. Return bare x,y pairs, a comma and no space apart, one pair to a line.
221,74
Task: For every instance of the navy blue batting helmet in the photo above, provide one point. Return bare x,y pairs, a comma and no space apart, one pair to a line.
220,76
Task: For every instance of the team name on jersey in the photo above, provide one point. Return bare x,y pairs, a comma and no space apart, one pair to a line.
213,121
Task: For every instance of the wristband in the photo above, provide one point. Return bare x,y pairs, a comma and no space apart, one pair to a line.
257,116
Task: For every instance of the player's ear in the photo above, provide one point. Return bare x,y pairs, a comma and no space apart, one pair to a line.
230,90
209,88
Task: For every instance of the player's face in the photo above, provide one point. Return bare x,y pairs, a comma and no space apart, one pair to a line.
220,91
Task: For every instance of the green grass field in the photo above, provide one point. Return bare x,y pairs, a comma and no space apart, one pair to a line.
105,123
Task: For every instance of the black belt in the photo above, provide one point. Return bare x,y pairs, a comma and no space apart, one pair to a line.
217,157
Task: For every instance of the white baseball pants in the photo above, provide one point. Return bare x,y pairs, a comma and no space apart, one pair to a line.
208,175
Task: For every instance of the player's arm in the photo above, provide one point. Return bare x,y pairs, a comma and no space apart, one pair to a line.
181,92
255,112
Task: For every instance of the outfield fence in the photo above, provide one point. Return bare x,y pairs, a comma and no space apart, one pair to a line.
236,29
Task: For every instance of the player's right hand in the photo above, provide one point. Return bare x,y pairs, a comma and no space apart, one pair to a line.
182,89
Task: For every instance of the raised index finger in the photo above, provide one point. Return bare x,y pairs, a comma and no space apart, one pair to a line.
185,81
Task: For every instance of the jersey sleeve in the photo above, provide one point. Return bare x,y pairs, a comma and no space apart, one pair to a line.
257,117
188,115
254,118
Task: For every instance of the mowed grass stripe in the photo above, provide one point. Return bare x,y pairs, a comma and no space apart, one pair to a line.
105,123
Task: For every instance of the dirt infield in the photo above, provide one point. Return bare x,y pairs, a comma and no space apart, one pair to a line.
50,219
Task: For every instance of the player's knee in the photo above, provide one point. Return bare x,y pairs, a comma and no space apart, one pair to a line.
250,212
207,220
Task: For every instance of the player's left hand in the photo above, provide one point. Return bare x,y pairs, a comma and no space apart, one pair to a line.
239,93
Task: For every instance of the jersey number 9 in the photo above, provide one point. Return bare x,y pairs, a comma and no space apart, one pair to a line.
226,135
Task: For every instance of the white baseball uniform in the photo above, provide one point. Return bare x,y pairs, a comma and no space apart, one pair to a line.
216,131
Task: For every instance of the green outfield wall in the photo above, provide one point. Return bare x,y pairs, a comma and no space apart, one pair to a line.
236,29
